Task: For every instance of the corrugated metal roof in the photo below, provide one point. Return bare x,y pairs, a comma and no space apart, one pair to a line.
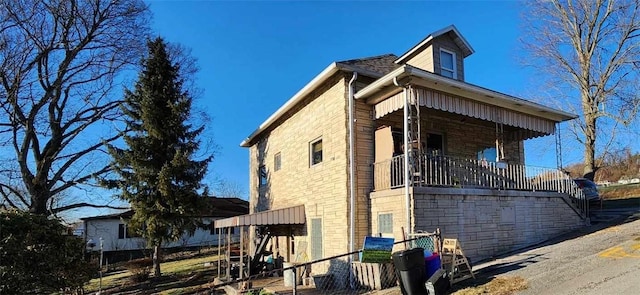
290,215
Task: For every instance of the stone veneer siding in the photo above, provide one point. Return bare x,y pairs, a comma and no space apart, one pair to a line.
486,222
464,137
322,188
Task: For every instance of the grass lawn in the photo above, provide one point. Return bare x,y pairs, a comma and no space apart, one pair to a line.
186,276
616,192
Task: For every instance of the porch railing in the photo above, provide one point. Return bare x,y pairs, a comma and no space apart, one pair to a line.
445,171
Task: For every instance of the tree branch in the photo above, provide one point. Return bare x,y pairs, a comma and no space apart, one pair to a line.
81,205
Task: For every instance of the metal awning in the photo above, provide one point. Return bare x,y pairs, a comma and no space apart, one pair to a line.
290,215
454,104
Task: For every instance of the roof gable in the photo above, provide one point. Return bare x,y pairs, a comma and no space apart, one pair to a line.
451,31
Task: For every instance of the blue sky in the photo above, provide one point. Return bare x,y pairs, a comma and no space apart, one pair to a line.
254,55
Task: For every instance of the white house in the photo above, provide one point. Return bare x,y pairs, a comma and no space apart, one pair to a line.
113,232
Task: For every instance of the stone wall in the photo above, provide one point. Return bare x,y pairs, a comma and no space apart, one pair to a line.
486,222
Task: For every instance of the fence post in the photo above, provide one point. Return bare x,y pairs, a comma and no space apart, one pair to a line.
295,280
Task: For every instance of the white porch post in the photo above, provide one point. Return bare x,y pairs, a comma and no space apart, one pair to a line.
407,185
241,252
219,230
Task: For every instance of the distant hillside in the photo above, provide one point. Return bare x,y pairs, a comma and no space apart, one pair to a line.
615,166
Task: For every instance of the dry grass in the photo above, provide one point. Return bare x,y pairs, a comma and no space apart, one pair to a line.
497,286
619,192
176,272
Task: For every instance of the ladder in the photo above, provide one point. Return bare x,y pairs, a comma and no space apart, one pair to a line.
454,262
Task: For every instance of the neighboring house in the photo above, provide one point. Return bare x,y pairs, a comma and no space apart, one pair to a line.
330,166
116,236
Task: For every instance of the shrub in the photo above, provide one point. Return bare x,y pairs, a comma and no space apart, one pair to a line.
37,257
139,269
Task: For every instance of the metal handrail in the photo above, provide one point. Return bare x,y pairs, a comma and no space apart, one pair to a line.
447,171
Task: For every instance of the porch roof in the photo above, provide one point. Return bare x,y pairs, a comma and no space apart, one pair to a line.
290,215
387,86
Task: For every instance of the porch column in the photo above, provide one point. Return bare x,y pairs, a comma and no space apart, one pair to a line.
241,252
407,147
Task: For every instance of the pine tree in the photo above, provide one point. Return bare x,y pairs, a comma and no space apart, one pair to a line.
156,172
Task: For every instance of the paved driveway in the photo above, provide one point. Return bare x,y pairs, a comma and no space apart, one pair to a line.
601,259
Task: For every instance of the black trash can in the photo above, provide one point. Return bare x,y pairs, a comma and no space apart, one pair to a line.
410,270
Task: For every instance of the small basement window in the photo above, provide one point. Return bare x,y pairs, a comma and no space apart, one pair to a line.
385,223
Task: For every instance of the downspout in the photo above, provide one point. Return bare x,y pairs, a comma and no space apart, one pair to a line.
407,186
352,182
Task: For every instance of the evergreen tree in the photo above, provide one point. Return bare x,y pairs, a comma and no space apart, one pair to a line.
156,172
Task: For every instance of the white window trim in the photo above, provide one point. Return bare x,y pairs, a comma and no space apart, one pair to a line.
454,62
311,143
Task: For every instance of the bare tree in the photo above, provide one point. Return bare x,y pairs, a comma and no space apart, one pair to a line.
61,67
226,188
590,49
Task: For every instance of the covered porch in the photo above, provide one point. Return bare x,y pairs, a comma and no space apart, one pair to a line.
432,131
256,244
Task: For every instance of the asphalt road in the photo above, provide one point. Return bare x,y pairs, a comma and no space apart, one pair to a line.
601,259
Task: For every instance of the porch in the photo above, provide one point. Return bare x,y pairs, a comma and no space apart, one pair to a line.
447,171
430,131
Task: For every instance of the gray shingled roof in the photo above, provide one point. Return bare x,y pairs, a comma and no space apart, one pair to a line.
382,64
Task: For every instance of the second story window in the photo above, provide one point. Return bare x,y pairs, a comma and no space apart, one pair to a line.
316,151
448,64
262,176
277,162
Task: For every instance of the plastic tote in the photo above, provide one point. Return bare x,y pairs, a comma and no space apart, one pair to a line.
432,264
409,265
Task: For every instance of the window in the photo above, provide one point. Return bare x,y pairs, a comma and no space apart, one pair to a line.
262,176
277,162
212,228
385,223
448,64
316,152
223,231
125,233
488,154
435,144
316,238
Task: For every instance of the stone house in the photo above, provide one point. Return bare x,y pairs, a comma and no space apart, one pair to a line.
336,149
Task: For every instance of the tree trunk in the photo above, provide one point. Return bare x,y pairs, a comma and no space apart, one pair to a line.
157,258
39,198
590,167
